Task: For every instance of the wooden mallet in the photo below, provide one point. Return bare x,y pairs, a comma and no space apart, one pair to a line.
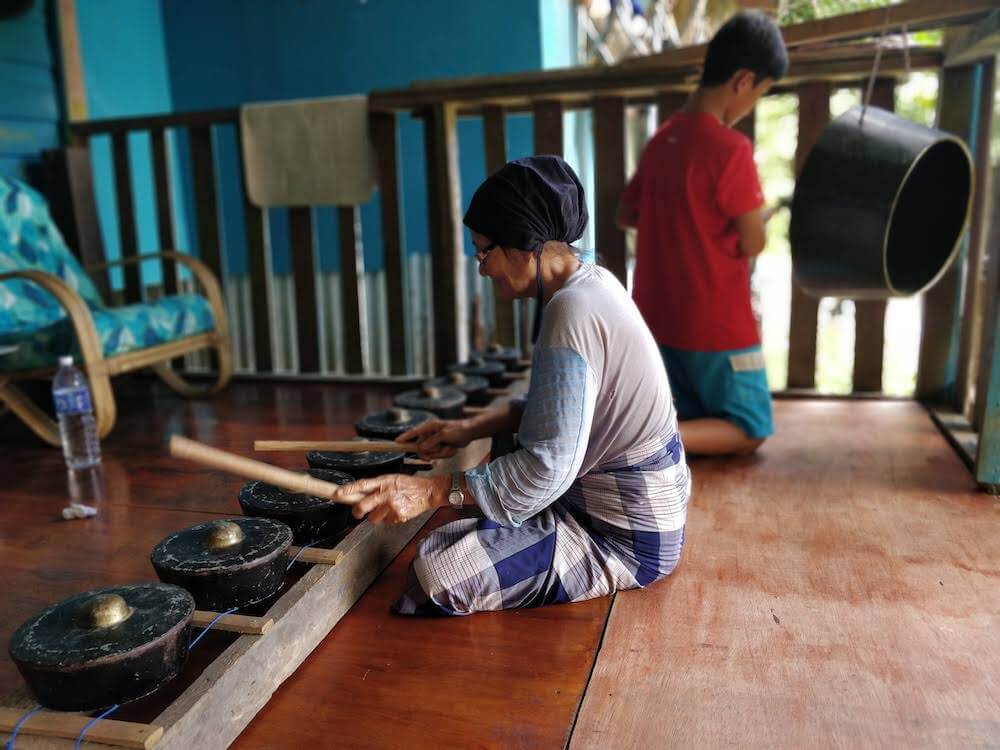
206,455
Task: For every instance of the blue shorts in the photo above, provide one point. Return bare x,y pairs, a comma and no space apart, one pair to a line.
730,385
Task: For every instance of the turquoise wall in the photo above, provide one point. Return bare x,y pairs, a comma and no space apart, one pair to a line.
228,52
149,56
124,57
30,107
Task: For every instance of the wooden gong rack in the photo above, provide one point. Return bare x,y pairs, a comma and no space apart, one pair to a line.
224,698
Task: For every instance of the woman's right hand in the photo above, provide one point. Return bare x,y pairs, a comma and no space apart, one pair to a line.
438,438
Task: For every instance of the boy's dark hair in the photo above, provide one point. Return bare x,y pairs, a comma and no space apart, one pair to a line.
747,41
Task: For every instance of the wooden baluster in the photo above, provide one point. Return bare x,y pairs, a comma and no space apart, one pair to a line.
447,258
547,126
669,102
385,139
259,266
869,315
987,406
351,276
164,205
300,233
126,215
205,198
495,146
609,148
814,114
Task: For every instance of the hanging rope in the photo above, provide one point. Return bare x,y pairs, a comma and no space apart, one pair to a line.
875,63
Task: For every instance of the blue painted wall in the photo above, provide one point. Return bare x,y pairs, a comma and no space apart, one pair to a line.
29,95
125,71
228,52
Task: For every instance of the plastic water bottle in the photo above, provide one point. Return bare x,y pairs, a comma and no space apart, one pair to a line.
75,410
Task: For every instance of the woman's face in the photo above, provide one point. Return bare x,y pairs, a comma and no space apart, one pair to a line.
512,271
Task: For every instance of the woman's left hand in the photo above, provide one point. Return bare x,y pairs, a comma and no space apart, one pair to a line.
395,498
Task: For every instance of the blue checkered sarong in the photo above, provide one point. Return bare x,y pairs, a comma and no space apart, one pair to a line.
619,527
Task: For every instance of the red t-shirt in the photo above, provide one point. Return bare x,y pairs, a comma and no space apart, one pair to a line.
692,282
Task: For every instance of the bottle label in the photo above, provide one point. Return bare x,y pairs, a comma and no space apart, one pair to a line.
76,401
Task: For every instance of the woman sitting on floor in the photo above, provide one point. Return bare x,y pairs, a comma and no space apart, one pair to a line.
595,498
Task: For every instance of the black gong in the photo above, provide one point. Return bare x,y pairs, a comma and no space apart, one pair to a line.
111,645
473,386
391,423
447,402
310,518
492,370
357,464
228,563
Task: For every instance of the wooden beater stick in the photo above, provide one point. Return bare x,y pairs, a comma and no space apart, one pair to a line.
338,446
206,455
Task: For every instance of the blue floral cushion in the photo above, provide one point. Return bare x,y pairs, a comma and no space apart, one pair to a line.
36,324
121,330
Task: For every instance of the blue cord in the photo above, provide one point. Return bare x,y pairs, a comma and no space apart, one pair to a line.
301,550
89,724
209,627
9,745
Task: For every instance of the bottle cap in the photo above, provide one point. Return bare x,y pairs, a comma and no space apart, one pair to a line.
66,360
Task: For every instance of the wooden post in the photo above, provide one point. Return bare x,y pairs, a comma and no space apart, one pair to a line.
259,266
447,259
351,277
609,159
126,215
869,315
959,99
164,205
300,236
385,139
495,145
971,329
669,102
547,126
814,114
988,383
70,180
986,418
205,198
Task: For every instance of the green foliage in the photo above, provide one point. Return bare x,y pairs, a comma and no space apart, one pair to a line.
797,11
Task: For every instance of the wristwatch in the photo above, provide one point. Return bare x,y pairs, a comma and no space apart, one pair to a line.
456,497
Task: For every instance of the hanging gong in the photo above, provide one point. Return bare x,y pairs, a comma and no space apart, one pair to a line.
102,647
228,563
879,207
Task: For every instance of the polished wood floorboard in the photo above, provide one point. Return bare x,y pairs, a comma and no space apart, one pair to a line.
842,589
141,493
492,680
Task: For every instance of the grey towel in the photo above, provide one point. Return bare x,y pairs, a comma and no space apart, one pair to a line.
308,152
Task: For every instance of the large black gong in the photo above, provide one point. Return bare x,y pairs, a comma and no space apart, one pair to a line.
103,647
879,207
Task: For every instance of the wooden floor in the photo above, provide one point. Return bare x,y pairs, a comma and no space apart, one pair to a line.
842,588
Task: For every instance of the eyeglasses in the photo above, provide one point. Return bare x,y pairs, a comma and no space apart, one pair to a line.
482,252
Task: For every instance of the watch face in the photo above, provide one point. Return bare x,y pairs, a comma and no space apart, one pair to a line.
456,498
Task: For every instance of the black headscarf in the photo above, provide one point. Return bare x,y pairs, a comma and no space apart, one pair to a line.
527,203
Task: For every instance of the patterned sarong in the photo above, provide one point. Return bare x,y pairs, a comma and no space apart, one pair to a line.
619,527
